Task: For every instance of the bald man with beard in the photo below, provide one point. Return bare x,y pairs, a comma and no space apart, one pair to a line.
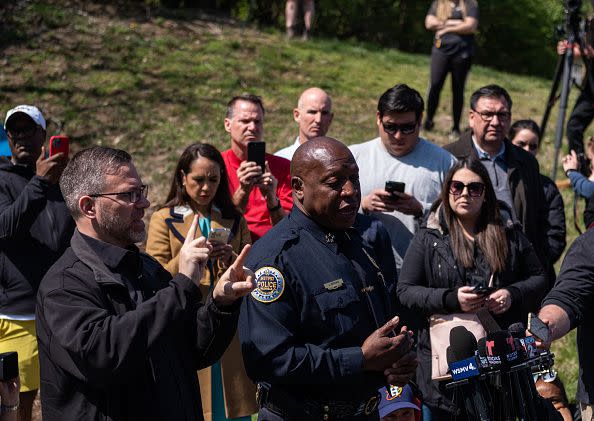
318,332
313,115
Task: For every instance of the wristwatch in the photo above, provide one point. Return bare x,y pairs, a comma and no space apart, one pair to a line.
568,171
9,408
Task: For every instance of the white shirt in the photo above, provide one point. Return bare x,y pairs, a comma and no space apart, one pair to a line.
289,151
423,171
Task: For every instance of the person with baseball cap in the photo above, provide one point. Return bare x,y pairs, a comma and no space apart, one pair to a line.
398,404
35,229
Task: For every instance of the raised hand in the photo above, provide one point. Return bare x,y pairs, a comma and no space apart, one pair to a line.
50,168
194,254
236,282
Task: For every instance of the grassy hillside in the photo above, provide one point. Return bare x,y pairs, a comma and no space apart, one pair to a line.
153,85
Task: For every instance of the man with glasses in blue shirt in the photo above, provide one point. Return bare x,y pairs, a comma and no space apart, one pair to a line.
515,173
400,155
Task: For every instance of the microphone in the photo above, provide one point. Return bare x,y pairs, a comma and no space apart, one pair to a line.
501,353
526,386
528,343
464,367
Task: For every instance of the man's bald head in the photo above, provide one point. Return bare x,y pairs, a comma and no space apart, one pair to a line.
315,153
313,114
325,182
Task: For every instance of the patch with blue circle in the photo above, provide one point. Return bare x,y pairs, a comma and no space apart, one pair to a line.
270,284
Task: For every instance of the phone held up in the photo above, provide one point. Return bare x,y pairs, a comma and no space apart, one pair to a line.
219,235
59,144
256,152
538,328
394,186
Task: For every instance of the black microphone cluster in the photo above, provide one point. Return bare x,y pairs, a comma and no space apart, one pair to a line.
492,377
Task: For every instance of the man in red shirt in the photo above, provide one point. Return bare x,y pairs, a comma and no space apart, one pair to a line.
263,197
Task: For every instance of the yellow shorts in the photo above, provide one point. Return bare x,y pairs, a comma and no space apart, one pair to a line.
20,336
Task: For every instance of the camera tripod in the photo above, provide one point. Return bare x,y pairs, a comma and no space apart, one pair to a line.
563,77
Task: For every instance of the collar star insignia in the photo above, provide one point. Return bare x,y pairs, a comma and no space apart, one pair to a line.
330,238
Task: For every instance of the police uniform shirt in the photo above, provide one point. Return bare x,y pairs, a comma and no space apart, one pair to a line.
318,297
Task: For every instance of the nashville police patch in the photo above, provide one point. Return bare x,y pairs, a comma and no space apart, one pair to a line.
270,284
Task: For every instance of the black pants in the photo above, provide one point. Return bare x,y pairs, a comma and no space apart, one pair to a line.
441,64
581,116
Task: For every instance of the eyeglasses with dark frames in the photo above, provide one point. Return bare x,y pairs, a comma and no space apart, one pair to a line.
393,128
134,196
475,189
487,116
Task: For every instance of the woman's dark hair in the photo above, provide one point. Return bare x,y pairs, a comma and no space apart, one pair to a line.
524,124
177,193
491,237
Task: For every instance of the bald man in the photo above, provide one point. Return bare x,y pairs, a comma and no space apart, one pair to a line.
313,115
317,333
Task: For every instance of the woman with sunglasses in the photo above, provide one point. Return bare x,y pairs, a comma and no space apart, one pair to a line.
526,135
468,242
199,187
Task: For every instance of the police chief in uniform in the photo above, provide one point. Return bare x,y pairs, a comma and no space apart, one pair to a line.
317,333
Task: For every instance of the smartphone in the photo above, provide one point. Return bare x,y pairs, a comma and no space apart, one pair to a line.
394,186
219,235
59,144
9,366
538,328
483,290
256,152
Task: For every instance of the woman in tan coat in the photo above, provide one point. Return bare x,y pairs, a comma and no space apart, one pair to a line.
200,187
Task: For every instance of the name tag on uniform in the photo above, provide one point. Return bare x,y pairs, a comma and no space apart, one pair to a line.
331,286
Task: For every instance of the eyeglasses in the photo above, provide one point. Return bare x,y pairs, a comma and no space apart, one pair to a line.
406,128
24,131
522,144
475,189
134,196
488,115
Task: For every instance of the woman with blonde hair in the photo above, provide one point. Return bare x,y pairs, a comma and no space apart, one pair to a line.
454,23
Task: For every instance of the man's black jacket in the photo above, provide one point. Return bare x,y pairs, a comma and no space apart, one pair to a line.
35,229
574,293
104,357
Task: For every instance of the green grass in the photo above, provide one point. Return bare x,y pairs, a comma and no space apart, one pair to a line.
152,87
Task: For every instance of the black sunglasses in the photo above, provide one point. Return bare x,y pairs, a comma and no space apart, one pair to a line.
475,189
393,128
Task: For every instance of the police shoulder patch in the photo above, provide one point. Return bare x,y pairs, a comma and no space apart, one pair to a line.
270,284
